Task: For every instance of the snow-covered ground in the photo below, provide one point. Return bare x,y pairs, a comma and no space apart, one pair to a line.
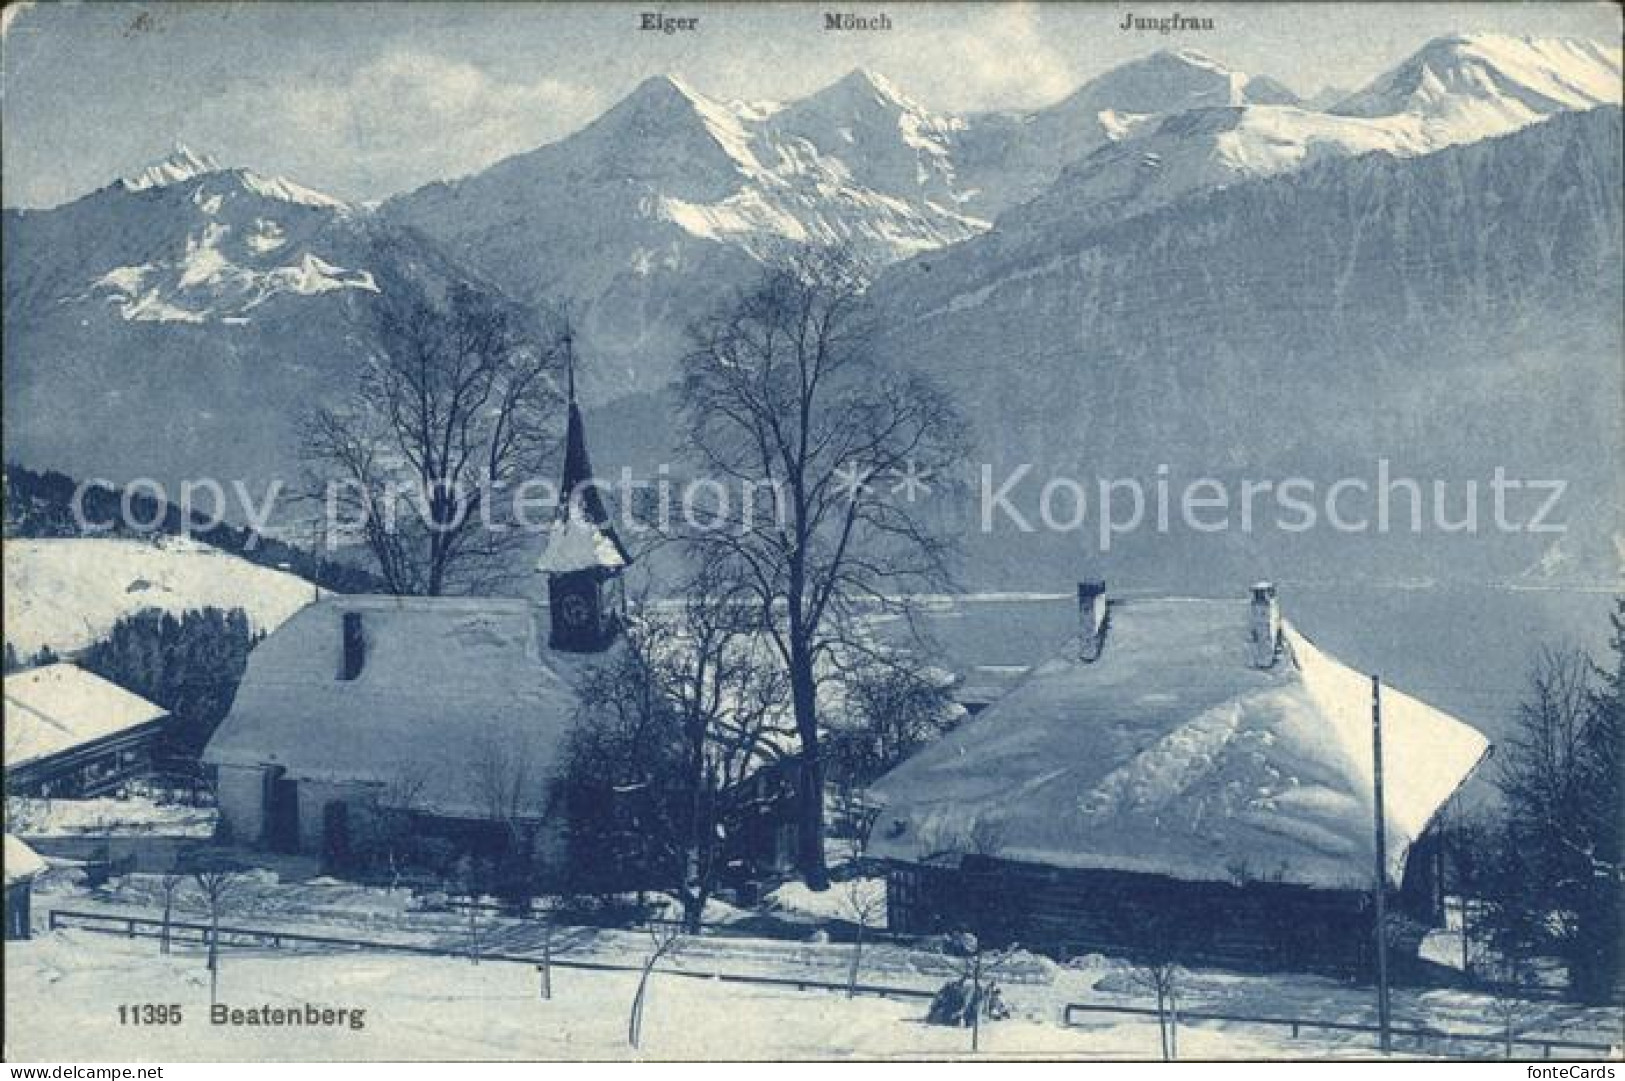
63,990
67,593
842,901
131,816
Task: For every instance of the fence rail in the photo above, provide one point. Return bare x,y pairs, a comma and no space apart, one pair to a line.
251,937
1296,1024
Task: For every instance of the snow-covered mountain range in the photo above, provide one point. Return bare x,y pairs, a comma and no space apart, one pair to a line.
178,322
181,319
1453,313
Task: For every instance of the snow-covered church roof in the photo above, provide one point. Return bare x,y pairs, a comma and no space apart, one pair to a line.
582,537
1172,754
576,543
448,689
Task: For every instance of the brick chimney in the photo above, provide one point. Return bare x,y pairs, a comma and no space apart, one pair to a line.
1265,626
1091,618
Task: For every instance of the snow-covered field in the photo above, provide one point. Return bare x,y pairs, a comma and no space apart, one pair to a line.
67,593
63,990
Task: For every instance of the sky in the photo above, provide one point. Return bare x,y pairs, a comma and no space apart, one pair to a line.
365,100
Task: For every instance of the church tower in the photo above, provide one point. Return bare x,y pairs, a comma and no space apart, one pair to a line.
584,558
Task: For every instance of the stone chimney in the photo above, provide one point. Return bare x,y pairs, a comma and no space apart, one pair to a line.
1091,618
355,647
1265,624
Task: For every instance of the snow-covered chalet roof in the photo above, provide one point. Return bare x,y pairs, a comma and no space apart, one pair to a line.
450,688
22,862
60,707
1172,755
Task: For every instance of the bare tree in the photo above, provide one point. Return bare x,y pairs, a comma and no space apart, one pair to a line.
729,697
865,906
783,395
894,705
390,826
669,737
453,410
666,939
512,790
1161,976
218,880
169,884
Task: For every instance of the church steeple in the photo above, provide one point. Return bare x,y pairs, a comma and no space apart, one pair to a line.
584,556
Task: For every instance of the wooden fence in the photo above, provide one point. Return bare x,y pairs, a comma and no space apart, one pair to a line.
269,938
1296,1025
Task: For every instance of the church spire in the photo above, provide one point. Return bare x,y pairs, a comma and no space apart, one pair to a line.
570,363
583,536
584,558
579,489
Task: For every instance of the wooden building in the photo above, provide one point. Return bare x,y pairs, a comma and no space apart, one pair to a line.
1187,775
70,734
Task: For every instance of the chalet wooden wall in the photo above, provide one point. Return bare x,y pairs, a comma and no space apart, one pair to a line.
1065,912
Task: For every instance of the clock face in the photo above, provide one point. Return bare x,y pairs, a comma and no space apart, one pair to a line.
575,611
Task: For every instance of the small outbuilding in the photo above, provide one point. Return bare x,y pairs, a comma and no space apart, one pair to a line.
23,865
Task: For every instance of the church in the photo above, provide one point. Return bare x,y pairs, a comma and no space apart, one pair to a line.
451,711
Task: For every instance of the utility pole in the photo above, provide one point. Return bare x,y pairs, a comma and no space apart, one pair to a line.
1383,1019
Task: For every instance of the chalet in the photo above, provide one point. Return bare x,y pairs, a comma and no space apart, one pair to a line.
70,734
22,865
452,709
1187,775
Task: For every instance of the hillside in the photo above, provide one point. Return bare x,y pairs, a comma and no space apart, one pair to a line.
67,593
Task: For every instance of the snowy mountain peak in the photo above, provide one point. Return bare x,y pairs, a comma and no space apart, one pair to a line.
283,190
1170,81
862,84
182,163
1196,58
1493,76
664,91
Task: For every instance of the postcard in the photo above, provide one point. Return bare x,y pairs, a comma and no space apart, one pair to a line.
765,531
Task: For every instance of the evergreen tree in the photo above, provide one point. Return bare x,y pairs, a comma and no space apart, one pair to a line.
190,665
1555,879
1598,958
